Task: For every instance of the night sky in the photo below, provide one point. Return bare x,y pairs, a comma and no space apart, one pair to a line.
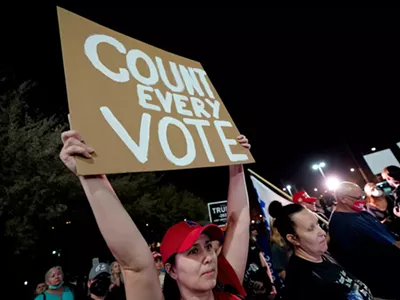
298,97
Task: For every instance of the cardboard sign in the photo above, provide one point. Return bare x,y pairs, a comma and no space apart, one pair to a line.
218,213
142,108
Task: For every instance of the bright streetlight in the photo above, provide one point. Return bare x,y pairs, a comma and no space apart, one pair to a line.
319,167
373,149
26,283
332,183
316,190
54,252
352,170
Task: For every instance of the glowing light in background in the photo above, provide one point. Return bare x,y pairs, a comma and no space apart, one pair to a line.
332,183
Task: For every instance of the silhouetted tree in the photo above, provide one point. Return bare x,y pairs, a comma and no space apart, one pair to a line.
38,195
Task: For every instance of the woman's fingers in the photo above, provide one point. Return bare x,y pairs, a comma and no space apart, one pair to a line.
70,134
74,150
75,142
243,141
73,146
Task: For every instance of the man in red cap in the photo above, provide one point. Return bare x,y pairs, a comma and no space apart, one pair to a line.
306,201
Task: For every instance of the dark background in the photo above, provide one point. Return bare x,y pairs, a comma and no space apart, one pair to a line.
300,97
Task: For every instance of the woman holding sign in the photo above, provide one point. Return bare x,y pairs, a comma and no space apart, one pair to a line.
192,267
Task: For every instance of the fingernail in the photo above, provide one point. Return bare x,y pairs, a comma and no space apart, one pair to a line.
91,149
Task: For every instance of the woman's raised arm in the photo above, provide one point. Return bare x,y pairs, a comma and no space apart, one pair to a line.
236,244
119,231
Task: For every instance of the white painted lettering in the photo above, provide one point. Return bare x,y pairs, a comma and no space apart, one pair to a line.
228,142
190,147
179,86
131,60
166,101
199,126
144,98
198,108
191,82
180,104
140,151
90,48
215,106
204,81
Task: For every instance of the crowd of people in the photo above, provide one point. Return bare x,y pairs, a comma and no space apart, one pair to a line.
356,257
346,250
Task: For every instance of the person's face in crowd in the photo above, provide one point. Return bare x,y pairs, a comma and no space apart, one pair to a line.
55,277
158,263
372,190
392,182
369,187
196,269
116,268
310,206
253,233
353,198
40,288
309,235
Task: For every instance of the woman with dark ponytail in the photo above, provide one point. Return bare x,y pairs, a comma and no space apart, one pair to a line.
194,271
311,274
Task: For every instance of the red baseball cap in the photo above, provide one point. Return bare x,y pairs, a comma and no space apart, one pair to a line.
300,197
182,236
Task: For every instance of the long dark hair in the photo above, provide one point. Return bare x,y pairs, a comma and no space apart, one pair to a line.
283,218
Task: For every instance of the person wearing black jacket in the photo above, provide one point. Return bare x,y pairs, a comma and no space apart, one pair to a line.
381,206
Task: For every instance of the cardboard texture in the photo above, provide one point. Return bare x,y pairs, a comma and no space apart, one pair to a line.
141,108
